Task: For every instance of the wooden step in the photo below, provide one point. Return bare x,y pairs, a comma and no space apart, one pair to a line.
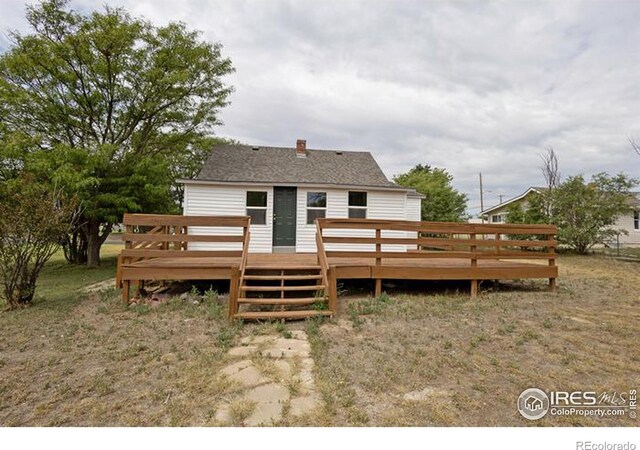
258,315
282,277
282,288
283,267
282,301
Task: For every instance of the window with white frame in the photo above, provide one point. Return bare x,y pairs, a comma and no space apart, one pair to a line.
357,205
257,207
636,220
498,218
316,206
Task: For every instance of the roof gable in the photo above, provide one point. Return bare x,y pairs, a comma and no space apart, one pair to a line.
532,189
243,163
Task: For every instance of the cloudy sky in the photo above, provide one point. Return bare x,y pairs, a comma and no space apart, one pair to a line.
468,86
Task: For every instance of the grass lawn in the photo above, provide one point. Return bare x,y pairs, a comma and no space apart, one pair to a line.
84,359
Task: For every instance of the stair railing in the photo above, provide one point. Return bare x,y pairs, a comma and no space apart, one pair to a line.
235,293
327,280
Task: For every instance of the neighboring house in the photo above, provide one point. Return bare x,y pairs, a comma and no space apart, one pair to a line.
498,213
285,189
629,222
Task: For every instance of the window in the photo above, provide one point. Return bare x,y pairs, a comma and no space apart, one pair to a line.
636,220
257,207
357,205
497,218
316,206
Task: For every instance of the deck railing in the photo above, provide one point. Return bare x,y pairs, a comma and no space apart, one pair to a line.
169,236
423,240
326,271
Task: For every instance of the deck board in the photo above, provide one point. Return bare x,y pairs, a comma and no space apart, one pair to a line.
277,260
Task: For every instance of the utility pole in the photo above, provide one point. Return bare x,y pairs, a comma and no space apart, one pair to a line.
481,199
501,195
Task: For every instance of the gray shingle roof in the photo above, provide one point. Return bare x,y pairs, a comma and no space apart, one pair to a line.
241,163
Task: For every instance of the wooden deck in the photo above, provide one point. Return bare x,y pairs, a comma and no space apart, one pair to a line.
159,250
346,268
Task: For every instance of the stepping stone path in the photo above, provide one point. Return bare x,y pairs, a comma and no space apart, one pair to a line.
274,376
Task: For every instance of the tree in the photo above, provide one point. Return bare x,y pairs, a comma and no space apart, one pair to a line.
553,178
635,145
550,170
532,209
33,222
442,202
584,212
189,161
106,106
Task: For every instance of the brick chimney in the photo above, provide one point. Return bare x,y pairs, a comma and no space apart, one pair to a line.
301,148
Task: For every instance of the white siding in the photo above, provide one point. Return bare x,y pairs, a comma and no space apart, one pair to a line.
380,205
626,223
306,234
413,209
413,212
209,200
202,200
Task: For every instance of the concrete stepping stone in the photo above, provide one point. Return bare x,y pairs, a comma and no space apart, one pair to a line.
243,351
251,340
287,348
269,399
292,363
236,367
304,405
249,377
284,368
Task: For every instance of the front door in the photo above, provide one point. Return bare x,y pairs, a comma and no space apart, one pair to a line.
284,216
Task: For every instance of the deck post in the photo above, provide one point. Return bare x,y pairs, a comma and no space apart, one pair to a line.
378,287
474,288
233,292
125,292
332,291
474,264
552,262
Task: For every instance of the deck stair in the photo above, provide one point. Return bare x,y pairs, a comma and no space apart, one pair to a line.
282,292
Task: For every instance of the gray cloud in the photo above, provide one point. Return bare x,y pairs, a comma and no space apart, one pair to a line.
469,86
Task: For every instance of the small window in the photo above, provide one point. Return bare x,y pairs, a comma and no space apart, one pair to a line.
636,220
357,205
316,206
497,218
257,207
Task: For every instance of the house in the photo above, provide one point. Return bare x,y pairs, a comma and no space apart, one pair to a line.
629,223
284,190
498,213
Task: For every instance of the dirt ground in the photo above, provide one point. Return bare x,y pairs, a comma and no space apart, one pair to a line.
87,360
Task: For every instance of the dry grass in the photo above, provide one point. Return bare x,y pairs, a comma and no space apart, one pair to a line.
89,361
478,355
78,359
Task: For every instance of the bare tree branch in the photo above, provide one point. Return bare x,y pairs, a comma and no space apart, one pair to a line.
635,145
550,169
